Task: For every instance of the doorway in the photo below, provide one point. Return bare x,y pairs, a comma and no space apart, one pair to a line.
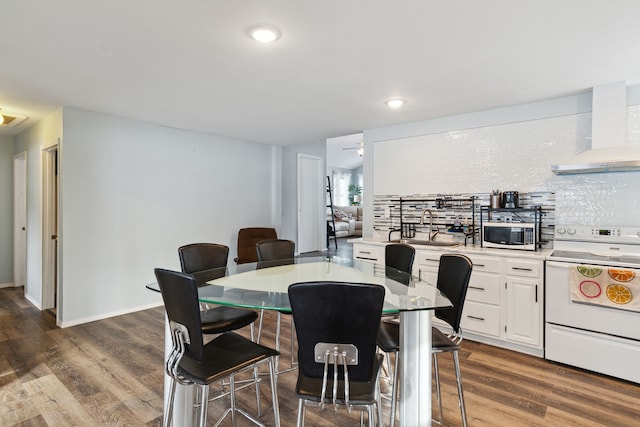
311,221
50,238
20,219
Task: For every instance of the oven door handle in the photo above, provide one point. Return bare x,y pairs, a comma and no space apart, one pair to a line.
562,264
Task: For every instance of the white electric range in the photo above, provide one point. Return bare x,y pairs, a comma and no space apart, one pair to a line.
592,300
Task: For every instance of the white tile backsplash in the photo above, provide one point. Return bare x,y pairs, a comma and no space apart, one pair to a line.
515,156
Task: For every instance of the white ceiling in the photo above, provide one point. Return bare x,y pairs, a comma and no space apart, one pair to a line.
342,151
188,64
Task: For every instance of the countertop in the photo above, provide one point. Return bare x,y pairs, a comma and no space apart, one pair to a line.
540,254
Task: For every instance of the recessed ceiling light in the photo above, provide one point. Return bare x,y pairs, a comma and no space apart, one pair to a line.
395,103
264,33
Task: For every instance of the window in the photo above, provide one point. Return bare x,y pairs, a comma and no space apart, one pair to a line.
341,181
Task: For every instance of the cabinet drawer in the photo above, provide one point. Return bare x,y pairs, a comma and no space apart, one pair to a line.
427,259
367,253
484,287
481,318
483,263
523,267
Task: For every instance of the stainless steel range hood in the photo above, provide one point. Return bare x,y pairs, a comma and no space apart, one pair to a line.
608,152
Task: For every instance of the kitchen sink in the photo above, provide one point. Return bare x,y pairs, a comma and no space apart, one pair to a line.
426,242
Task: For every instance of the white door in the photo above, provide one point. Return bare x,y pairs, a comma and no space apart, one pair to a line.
311,221
20,219
50,236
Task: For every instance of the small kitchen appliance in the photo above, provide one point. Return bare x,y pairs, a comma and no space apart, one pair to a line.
510,200
592,299
509,235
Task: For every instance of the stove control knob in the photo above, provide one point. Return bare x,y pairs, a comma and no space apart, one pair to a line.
562,231
571,231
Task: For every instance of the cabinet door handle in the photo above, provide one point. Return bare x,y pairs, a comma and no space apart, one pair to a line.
536,294
521,269
365,252
479,265
429,259
476,287
476,318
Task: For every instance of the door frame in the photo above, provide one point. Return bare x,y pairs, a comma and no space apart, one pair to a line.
50,199
310,190
20,219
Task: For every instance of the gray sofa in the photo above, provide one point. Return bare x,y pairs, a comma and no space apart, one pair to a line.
348,221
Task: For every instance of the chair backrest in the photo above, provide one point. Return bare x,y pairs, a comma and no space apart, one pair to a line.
336,312
180,296
454,272
275,250
202,256
399,257
247,239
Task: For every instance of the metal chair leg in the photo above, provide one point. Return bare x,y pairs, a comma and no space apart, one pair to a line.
301,409
394,391
274,393
257,382
232,396
379,405
278,322
204,403
436,372
463,412
168,416
371,415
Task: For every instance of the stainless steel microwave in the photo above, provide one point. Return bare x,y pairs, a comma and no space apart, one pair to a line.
509,235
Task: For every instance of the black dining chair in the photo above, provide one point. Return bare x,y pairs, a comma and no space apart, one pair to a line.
191,362
273,253
338,365
399,257
454,272
207,261
247,240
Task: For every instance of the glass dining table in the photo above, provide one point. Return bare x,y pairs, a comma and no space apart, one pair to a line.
265,285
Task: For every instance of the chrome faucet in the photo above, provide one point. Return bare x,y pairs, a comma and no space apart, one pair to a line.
432,233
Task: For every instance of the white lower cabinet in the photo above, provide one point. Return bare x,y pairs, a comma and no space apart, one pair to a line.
504,302
524,291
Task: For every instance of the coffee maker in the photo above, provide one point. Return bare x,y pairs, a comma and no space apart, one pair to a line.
510,199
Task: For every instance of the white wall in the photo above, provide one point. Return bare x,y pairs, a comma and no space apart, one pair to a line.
507,149
134,192
6,210
44,133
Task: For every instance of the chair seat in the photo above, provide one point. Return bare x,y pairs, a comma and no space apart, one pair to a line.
221,319
440,342
360,393
389,337
225,355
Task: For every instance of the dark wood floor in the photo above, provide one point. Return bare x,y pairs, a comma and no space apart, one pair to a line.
110,373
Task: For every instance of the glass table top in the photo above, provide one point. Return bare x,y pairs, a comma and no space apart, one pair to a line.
264,285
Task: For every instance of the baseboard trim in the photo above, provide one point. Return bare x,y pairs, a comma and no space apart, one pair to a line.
35,303
6,285
103,316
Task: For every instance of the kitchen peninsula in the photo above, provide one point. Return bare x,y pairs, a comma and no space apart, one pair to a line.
505,299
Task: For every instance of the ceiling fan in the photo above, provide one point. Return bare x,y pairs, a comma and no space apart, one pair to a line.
359,147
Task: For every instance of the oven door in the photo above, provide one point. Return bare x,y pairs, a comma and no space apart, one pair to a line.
592,337
561,310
